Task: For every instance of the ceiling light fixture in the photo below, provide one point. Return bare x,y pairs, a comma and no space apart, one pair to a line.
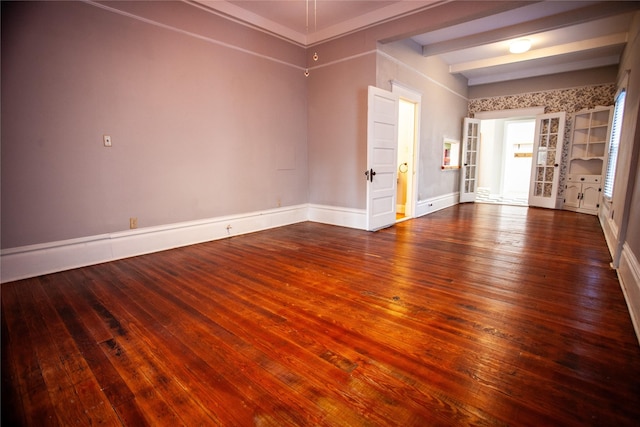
520,46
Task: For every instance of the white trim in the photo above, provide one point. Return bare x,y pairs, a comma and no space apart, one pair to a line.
34,260
629,275
334,215
249,19
45,258
433,204
394,11
509,114
609,228
411,95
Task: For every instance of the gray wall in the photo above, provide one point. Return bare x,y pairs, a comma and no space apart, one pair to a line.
199,129
591,77
338,131
627,183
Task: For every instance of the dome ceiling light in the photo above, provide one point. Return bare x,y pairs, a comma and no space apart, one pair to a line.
520,46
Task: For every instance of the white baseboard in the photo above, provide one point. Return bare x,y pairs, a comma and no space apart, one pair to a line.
629,275
343,217
610,230
428,206
35,260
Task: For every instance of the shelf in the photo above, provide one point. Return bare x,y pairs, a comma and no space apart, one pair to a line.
589,140
586,166
587,158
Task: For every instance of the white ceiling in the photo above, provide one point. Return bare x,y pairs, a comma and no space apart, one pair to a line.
565,35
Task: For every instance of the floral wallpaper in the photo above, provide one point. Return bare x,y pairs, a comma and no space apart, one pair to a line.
568,100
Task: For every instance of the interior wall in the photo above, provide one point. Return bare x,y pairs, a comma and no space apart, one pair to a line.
590,77
627,182
200,128
444,105
338,131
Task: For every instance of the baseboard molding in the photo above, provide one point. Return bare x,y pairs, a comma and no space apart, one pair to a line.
428,206
629,275
610,230
35,260
343,217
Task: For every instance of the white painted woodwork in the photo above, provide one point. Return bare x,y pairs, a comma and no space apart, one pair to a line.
547,154
469,159
382,155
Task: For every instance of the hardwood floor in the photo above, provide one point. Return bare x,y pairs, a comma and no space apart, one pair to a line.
473,315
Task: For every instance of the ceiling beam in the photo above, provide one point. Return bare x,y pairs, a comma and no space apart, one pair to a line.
543,71
564,49
574,17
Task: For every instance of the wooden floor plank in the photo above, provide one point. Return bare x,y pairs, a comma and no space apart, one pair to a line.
67,367
473,315
25,396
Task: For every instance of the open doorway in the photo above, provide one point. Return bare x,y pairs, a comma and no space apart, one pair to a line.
506,151
505,155
406,143
408,136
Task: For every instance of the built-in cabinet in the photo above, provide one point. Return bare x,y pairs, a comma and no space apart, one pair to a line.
587,159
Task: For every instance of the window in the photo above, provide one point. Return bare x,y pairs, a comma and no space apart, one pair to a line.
614,142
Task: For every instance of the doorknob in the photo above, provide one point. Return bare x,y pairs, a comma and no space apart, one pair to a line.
370,174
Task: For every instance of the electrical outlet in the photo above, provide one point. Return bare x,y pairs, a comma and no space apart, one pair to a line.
106,139
133,223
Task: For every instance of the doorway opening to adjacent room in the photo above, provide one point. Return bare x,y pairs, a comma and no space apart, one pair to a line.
408,136
505,160
506,155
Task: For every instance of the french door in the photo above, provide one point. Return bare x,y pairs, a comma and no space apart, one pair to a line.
470,146
547,154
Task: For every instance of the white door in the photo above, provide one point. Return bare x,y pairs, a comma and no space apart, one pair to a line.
547,153
470,146
382,155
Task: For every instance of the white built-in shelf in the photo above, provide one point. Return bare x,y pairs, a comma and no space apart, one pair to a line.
587,159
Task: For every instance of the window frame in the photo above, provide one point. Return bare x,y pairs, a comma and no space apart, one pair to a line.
608,181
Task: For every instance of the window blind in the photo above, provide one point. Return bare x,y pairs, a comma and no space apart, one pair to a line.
614,142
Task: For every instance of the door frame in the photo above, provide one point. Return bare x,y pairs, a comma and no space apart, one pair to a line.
411,95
